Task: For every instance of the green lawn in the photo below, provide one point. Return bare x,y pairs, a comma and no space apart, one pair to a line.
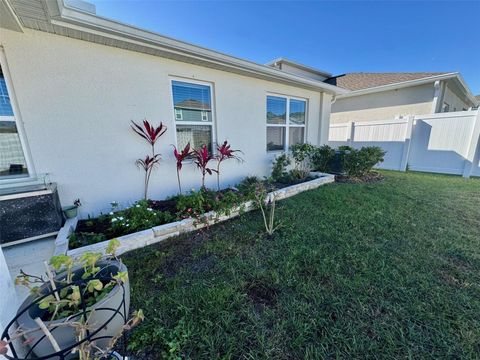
386,270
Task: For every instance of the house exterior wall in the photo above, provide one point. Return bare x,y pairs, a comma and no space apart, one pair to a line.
453,100
77,98
384,105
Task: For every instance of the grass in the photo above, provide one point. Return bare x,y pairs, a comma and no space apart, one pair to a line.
385,270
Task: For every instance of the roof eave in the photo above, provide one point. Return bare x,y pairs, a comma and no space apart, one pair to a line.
399,85
300,66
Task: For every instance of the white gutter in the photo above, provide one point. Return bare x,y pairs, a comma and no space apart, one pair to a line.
404,84
75,19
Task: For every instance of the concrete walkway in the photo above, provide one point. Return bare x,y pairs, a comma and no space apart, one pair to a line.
28,257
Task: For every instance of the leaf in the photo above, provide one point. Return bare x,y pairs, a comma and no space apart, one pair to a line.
94,284
122,276
46,302
112,246
61,260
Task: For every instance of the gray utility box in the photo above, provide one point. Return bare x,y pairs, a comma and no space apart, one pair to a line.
29,213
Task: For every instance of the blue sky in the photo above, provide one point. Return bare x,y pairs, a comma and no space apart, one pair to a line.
337,37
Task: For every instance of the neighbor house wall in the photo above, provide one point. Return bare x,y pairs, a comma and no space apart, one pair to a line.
384,105
455,102
77,98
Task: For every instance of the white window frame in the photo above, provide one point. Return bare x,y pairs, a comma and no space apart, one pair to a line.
200,123
178,112
287,124
31,173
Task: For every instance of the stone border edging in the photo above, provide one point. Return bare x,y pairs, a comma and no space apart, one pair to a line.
159,233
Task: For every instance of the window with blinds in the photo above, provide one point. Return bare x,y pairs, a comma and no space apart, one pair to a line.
192,104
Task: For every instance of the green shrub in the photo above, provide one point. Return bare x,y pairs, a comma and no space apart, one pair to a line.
199,202
247,187
322,158
279,168
302,157
360,162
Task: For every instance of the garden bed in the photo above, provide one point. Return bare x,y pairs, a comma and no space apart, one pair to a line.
371,177
185,219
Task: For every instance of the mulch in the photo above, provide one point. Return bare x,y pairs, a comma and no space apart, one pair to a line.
371,177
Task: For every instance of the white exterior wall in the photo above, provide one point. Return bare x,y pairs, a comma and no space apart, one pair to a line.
77,98
384,105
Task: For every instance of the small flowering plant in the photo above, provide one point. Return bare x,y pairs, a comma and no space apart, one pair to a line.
138,217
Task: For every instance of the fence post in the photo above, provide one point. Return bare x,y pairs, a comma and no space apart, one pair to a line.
472,154
351,133
406,144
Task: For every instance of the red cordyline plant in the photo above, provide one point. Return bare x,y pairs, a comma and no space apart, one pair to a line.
224,153
148,164
181,156
202,157
151,134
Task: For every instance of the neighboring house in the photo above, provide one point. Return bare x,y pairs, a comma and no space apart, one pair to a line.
71,81
381,96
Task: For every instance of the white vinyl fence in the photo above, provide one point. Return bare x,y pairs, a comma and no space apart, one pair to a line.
443,143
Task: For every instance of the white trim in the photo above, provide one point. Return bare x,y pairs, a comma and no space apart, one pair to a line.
199,123
282,60
287,124
32,238
25,194
18,119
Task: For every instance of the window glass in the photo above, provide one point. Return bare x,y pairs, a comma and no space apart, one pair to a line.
276,110
192,102
283,132
196,135
296,135
275,138
5,106
12,159
297,111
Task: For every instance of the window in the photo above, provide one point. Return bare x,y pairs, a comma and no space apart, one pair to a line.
284,131
193,114
12,159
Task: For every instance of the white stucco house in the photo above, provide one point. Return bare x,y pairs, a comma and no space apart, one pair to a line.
71,81
381,96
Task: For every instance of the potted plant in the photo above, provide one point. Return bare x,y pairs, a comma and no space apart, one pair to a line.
72,210
93,293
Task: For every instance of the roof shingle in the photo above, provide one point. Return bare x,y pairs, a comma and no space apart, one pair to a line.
359,81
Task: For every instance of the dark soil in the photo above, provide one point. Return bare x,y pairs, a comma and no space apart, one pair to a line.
261,293
371,177
164,205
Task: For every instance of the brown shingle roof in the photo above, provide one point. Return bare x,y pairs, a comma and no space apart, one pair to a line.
358,81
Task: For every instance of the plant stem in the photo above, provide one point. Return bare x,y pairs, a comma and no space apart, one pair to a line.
48,334
178,179
52,282
218,175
